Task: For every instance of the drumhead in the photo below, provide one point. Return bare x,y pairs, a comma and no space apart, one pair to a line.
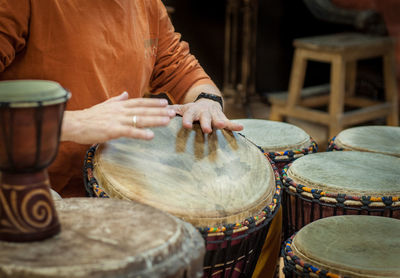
207,180
32,93
108,238
351,245
274,136
377,139
352,173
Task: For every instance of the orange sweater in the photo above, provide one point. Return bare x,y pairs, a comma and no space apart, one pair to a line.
96,49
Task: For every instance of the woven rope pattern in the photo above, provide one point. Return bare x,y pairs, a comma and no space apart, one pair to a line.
333,147
317,193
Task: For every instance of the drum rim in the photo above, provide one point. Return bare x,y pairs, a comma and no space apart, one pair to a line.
277,147
365,200
335,145
53,94
294,262
93,189
290,155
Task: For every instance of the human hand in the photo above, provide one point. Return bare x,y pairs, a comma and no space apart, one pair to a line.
208,112
113,118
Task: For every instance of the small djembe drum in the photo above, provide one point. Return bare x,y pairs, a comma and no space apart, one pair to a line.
376,139
356,246
337,183
108,239
281,141
220,183
31,112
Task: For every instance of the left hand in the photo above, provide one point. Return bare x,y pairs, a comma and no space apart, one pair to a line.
208,112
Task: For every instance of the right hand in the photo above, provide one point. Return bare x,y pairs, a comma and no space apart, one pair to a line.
113,118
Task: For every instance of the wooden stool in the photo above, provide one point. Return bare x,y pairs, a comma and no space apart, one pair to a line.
342,51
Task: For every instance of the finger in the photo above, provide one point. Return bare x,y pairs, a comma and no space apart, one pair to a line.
219,120
148,121
205,122
151,111
145,102
178,108
188,117
122,96
137,133
233,126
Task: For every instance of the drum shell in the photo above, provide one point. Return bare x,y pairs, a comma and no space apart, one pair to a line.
301,210
29,137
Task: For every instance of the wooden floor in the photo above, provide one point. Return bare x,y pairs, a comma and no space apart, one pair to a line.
259,110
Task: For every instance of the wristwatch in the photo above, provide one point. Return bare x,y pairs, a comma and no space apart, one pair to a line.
212,97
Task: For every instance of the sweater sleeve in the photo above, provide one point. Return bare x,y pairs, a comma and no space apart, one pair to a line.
175,69
14,25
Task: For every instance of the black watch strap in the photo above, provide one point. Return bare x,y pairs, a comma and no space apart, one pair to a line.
210,96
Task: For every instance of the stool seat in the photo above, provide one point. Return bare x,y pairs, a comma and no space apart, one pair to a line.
344,42
342,51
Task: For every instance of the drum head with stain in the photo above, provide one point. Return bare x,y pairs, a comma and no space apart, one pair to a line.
207,180
352,245
274,136
352,173
377,139
108,238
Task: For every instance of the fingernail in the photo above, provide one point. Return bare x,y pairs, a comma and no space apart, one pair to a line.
165,120
163,101
124,93
149,134
171,112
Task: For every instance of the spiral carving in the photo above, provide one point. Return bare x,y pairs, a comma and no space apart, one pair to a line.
26,209
36,208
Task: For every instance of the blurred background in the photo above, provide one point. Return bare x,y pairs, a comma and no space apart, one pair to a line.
274,25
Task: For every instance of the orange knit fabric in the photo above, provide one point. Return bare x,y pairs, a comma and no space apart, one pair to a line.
96,49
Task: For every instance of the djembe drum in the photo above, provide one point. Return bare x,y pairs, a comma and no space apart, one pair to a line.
220,183
376,139
281,141
108,239
345,246
338,183
31,113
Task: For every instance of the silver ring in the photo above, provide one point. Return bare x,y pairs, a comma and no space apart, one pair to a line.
134,121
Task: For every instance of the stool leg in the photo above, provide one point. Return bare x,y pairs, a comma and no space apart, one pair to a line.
336,98
297,76
276,113
391,93
351,75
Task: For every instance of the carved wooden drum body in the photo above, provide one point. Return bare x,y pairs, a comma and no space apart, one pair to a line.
281,141
108,238
345,246
220,183
337,183
376,139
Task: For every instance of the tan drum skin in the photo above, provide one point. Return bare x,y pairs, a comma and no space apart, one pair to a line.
207,180
355,174
108,238
376,139
274,136
352,246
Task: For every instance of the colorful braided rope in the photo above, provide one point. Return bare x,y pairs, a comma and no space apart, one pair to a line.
92,186
313,148
332,146
289,252
317,193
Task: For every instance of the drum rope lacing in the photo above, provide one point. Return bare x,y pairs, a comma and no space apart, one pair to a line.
333,147
340,197
291,154
94,190
291,260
